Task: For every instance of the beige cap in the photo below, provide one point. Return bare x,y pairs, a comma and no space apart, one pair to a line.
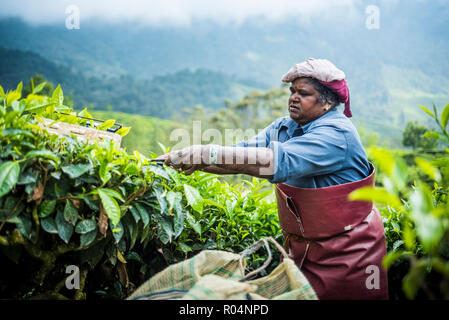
320,69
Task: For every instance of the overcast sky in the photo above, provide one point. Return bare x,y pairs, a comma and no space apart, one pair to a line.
174,11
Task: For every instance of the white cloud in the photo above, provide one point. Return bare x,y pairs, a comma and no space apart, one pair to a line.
176,12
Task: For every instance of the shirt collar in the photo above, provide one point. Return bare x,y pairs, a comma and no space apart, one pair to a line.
291,125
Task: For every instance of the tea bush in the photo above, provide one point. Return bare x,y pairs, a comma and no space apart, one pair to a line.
121,219
116,216
416,216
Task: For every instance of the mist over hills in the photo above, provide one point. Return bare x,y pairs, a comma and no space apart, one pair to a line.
162,96
390,71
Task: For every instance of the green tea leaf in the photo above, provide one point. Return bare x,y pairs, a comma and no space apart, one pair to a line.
391,258
131,169
9,174
19,88
45,154
87,238
11,116
40,107
427,111
11,97
445,116
173,174
18,106
65,229
25,226
431,134
409,237
113,194
76,170
435,111
123,131
412,281
93,205
178,222
184,247
375,194
118,231
145,235
49,225
161,199
105,175
110,205
383,158
70,212
135,214
399,174
429,228
194,198
133,231
193,223
165,230
46,208
58,96
39,87
215,204
17,133
174,199
85,226
397,244
106,125
85,113
143,214
163,148
159,171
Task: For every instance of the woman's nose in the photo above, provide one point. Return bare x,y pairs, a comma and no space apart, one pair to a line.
294,97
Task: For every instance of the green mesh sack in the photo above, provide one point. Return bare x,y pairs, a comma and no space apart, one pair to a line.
220,275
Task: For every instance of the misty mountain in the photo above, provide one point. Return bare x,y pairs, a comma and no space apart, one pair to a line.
390,70
162,96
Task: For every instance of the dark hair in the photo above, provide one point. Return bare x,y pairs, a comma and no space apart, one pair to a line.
327,96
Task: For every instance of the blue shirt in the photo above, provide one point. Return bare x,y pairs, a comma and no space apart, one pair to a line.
327,151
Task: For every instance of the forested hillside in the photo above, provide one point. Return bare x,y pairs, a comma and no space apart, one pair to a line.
162,96
143,68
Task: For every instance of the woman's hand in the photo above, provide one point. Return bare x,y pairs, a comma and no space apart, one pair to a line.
188,159
256,162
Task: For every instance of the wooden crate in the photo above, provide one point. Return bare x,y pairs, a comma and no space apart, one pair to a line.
81,133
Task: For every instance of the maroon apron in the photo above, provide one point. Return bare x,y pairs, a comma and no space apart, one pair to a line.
338,244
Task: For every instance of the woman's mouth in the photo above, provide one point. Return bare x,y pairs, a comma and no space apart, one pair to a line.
293,107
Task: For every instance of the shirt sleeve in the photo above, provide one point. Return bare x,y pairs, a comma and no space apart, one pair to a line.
318,152
262,139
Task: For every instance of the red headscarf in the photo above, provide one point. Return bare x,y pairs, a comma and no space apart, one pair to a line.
340,87
327,74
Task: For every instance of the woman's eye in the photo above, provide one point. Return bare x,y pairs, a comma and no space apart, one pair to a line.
292,91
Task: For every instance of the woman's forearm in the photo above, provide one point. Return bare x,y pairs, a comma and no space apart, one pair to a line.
257,162
218,170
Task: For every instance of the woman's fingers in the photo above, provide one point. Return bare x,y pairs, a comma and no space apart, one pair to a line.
184,159
192,169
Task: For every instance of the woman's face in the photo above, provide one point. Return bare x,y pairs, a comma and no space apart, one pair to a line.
303,104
